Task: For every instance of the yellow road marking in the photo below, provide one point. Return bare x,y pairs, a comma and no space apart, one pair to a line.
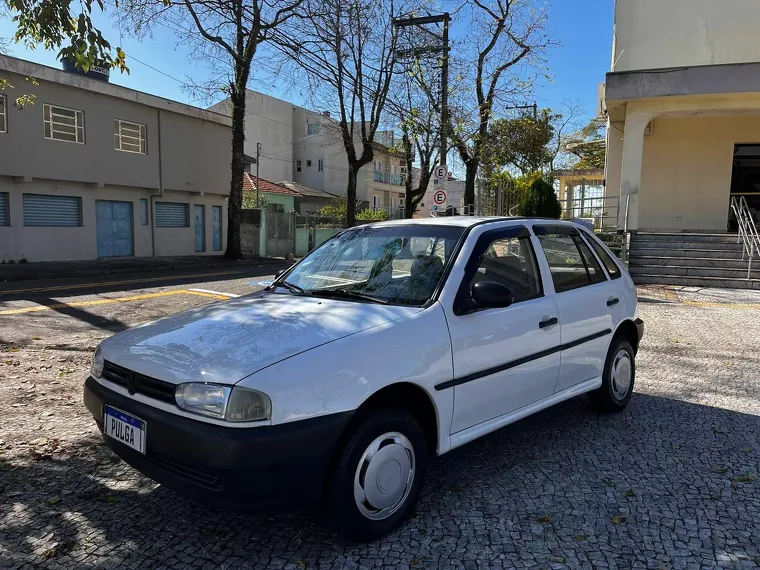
720,305
109,301
123,282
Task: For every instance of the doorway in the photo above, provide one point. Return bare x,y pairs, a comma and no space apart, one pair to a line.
200,228
114,227
745,181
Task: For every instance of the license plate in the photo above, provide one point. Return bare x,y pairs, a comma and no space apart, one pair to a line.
126,428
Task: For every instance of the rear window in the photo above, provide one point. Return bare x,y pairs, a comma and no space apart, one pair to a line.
609,263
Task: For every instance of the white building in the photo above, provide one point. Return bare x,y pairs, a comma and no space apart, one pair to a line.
454,190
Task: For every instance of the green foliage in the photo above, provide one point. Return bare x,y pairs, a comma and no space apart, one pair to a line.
374,215
336,209
249,201
56,25
521,143
589,146
540,201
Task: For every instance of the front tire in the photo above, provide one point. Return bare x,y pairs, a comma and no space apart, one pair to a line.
618,378
378,477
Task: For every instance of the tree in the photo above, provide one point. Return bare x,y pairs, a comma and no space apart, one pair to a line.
505,38
420,127
347,49
566,120
589,145
55,25
227,33
521,143
540,201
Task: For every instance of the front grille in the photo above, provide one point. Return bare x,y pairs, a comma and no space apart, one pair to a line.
150,387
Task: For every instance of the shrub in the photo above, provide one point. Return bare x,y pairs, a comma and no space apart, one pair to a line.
373,215
540,201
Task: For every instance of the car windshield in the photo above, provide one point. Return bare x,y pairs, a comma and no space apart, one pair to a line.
393,264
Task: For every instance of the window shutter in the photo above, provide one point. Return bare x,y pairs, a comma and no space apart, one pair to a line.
4,214
45,210
172,215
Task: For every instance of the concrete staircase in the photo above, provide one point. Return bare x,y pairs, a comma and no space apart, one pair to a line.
698,260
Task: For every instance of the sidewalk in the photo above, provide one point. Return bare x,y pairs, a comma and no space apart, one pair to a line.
116,265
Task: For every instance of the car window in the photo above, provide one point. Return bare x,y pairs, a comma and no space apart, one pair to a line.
571,262
511,262
609,263
394,264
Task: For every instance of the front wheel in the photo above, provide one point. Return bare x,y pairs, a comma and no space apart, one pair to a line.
378,476
617,380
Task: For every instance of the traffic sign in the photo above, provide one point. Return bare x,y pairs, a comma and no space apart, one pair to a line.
441,172
439,197
436,182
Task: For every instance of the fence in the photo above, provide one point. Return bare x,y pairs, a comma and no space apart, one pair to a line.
603,210
277,234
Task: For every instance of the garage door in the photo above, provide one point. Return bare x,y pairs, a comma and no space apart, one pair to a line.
115,228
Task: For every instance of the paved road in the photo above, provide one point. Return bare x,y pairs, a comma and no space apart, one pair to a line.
669,483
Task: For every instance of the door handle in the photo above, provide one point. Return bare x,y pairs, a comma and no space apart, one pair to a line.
548,322
612,301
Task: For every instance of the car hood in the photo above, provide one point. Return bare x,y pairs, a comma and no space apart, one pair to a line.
225,342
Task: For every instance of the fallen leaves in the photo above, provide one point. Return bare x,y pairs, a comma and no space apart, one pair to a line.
719,470
748,478
630,493
619,519
544,519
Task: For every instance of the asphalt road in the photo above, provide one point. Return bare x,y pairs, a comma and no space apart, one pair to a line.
668,483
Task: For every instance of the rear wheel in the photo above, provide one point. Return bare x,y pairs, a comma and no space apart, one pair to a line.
618,378
378,476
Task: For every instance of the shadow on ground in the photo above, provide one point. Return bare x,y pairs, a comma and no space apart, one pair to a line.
665,481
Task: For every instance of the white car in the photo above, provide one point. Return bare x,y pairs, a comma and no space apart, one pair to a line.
391,343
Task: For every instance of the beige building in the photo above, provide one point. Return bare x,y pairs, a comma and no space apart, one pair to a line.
683,104
97,170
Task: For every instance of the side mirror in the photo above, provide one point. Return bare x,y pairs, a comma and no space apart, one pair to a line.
280,273
492,295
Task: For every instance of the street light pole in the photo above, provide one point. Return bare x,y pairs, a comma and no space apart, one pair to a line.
258,159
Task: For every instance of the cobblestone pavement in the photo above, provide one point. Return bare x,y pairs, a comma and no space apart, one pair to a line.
668,483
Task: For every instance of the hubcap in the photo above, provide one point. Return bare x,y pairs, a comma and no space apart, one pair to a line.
622,374
384,476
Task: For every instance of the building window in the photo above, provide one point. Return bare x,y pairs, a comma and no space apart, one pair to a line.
298,166
130,137
52,211
422,204
313,129
63,124
308,163
320,165
144,219
5,218
172,215
3,115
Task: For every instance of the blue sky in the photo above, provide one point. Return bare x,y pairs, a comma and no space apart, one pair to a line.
584,28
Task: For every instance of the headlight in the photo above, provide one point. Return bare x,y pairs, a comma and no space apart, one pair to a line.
223,402
96,368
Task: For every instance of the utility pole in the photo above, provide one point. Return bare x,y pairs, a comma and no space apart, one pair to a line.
258,159
443,49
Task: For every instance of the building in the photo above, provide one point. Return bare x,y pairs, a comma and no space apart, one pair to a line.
683,104
97,170
306,147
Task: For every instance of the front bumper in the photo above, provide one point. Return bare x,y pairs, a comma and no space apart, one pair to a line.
262,468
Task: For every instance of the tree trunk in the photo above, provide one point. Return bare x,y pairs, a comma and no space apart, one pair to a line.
353,175
471,171
235,203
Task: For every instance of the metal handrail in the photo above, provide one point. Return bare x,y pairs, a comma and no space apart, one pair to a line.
748,235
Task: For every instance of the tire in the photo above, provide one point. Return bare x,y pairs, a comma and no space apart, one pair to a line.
618,378
405,458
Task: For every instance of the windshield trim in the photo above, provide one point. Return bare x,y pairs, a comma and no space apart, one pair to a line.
446,269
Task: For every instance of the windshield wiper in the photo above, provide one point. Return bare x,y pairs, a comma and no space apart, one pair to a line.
295,289
343,294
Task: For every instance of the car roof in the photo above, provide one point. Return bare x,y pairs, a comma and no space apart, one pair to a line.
465,221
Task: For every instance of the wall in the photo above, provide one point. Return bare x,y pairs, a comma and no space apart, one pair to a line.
287,200
268,121
686,171
196,152
653,34
181,241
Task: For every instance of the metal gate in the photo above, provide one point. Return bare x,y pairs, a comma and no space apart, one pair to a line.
200,228
280,232
114,228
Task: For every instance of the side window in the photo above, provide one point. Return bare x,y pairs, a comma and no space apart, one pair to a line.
570,260
609,263
511,262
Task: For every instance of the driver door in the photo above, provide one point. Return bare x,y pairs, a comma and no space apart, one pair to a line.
505,358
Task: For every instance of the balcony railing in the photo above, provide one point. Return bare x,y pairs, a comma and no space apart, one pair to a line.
388,178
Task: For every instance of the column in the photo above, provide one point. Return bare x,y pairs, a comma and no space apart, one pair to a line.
630,175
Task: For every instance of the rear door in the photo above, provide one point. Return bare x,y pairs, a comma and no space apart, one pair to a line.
506,358
586,302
